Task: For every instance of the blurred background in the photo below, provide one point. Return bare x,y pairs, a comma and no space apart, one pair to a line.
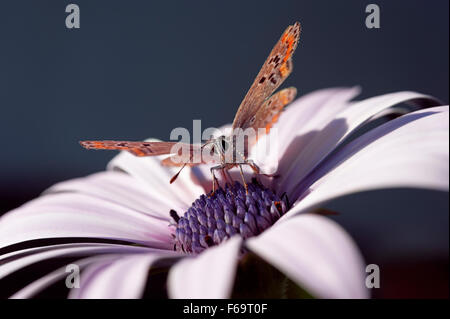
137,69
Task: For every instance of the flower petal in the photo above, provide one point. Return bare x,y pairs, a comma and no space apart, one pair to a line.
46,281
121,189
122,278
337,129
299,123
78,215
316,253
411,151
10,262
208,275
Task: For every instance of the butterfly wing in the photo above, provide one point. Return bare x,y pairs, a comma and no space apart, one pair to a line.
274,71
136,148
268,114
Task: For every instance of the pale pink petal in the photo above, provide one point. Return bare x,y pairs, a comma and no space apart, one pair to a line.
318,106
340,126
119,188
78,215
10,262
121,278
209,275
411,151
299,124
316,253
46,281
149,170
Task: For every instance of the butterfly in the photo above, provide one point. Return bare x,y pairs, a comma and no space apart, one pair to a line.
260,108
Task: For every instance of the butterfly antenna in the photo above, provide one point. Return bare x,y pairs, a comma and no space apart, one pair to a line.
184,164
190,158
176,175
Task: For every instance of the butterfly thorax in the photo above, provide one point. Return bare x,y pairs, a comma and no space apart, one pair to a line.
229,150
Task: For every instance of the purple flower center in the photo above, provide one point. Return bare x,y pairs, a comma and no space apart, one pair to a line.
212,219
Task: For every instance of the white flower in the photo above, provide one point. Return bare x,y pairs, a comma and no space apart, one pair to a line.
120,218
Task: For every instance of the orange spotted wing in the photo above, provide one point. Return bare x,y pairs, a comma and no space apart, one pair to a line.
257,110
268,114
140,148
254,109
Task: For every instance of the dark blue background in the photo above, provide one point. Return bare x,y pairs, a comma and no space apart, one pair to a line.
137,69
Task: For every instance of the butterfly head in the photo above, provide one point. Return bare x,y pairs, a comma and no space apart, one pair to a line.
221,145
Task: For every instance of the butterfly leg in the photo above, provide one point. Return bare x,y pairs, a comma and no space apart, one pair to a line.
257,170
226,176
214,179
253,166
229,176
243,179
